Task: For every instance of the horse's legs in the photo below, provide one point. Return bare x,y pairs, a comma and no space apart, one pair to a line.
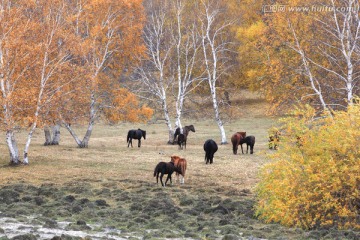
182,179
130,142
161,176
157,178
247,148
139,143
168,177
242,149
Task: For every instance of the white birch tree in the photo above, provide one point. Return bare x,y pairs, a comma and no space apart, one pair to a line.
172,55
331,63
187,45
153,72
214,52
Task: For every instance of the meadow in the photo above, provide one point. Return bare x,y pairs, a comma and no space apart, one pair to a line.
108,190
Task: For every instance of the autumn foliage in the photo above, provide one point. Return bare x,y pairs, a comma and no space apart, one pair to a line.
313,179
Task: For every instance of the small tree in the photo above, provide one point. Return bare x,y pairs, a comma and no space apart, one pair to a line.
313,180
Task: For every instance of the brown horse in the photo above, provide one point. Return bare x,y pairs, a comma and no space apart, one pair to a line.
181,164
236,139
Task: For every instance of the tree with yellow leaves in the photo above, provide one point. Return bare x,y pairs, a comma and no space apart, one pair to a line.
313,180
110,40
35,60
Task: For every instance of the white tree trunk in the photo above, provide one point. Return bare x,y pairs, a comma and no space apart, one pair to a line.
56,134
217,117
73,134
13,148
167,121
28,141
213,48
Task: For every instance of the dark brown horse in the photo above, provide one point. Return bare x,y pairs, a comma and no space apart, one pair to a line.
135,134
236,139
250,142
185,131
181,164
163,168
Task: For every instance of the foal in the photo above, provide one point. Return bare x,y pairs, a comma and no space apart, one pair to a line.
165,168
181,164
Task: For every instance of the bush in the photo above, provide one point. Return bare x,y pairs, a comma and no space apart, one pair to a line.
313,181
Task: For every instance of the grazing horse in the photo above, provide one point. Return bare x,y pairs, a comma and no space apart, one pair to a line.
135,134
185,131
181,141
250,141
210,148
235,139
181,164
165,168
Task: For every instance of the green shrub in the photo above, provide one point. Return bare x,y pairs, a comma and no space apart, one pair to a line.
313,181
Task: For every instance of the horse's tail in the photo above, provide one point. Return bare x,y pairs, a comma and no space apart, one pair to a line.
128,137
156,170
183,167
235,144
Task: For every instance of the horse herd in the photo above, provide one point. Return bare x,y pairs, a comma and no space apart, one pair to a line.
178,164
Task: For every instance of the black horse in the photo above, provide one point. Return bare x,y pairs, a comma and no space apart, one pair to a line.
135,134
210,148
186,131
165,168
250,141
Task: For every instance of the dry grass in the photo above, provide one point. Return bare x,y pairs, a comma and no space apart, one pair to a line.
108,159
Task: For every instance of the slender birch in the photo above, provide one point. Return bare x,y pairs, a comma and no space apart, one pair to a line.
214,49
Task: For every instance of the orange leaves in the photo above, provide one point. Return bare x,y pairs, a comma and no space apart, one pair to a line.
315,182
126,107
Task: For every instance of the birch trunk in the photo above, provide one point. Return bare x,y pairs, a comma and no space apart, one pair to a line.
28,141
212,51
13,148
85,142
72,133
217,117
56,134
167,121
47,136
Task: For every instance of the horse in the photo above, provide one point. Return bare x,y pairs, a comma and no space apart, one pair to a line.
181,141
250,141
235,139
135,134
210,148
181,164
165,168
185,131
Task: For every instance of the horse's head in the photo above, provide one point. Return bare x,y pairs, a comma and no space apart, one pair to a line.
143,133
191,128
242,134
175,159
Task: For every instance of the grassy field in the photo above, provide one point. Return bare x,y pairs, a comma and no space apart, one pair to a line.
109,158
108,191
